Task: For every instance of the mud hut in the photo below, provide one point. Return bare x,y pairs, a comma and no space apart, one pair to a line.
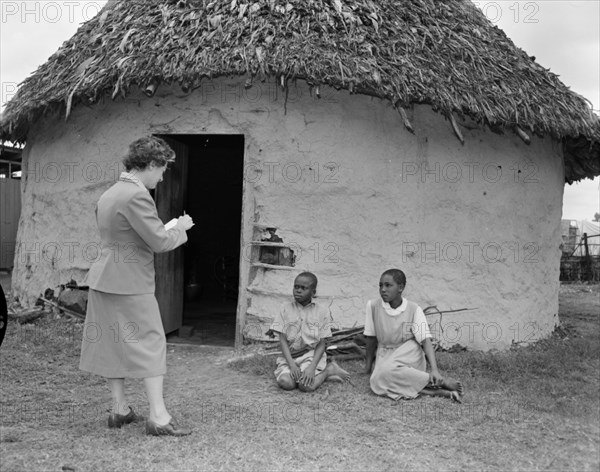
340,137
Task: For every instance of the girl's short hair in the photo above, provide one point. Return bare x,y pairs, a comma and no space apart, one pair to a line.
146,151
397,275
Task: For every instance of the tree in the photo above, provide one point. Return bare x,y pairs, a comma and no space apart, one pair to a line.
596,217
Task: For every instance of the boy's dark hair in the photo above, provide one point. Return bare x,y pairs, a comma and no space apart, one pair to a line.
397,275
310,276
148,150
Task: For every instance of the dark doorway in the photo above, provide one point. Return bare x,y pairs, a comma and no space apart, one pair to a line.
213,197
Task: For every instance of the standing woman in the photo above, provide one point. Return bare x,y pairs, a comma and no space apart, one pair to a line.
123,332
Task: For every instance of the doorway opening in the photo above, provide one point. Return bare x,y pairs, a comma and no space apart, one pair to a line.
213,187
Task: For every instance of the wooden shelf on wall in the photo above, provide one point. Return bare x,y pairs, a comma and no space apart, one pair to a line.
259,291
263,226
273,266
267,243
276,254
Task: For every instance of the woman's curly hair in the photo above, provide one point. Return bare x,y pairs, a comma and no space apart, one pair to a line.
146,151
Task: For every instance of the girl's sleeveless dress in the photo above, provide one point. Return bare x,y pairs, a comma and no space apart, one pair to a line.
400,364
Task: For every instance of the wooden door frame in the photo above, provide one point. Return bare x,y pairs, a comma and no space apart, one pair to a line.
246,233
171,302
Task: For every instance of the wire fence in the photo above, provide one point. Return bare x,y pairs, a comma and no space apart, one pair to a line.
580,269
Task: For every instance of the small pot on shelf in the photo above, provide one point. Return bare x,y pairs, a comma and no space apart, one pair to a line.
193,291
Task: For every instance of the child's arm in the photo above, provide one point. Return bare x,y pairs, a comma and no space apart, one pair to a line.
308,376
370,335
295,371
371,342
436,377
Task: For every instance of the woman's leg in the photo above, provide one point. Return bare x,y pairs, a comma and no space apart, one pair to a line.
154,392
160,423
120,405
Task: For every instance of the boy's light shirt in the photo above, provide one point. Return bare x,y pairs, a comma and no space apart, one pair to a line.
420,327
302,325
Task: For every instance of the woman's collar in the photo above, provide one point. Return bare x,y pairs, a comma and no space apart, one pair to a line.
131,177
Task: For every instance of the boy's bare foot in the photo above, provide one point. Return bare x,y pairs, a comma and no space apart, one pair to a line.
333,369
335,378
453,385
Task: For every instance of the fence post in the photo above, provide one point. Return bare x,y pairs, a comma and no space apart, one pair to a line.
587,260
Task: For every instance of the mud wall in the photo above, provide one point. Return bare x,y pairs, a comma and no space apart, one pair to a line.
348,188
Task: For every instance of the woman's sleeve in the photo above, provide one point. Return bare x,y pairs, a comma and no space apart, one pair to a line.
142,216
369,325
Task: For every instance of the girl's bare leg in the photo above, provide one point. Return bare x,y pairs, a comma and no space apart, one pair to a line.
440,392
448,384
453,385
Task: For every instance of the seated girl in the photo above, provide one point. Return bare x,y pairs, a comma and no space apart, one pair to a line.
397,328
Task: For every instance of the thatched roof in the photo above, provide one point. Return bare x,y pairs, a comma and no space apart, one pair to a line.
443,53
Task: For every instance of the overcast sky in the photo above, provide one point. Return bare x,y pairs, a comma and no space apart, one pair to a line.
564,36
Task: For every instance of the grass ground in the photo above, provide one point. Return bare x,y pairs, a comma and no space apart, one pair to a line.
531,408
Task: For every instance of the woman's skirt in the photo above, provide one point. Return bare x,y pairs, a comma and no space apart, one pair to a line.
123,336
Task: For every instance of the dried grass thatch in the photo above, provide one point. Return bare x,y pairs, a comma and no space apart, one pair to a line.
442,53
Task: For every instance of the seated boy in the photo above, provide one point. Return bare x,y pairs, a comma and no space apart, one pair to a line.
303,324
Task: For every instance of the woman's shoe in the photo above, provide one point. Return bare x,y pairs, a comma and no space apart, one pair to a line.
172,428
116,421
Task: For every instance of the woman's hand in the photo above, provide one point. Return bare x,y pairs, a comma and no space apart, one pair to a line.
185,222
